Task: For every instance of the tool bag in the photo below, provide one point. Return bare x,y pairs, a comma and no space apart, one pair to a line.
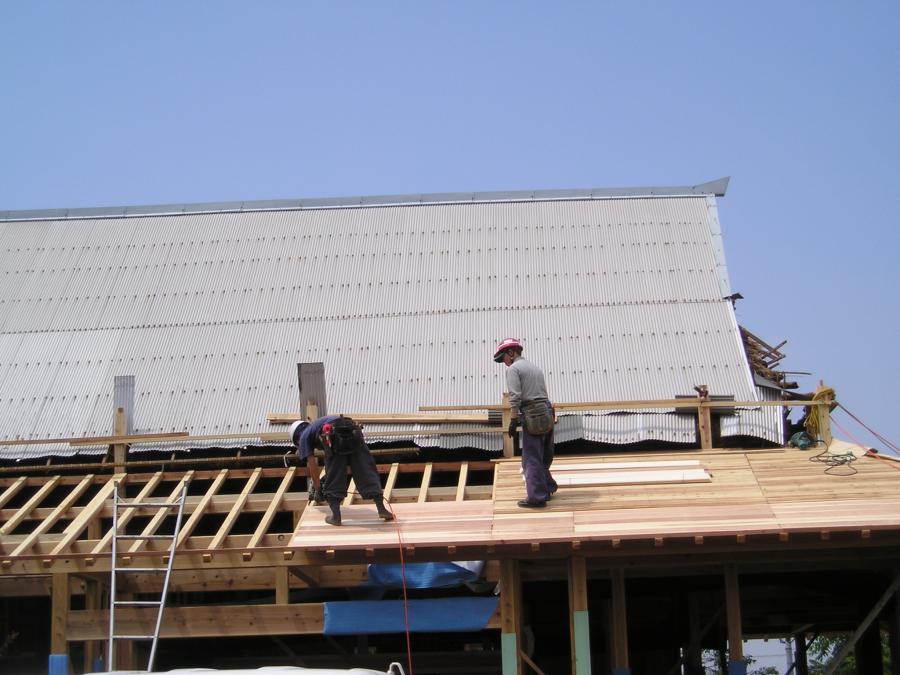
537,417
345,437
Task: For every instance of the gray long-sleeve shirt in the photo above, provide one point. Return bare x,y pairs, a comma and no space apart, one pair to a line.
525,382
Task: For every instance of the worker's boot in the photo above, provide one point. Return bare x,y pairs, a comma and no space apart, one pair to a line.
383,513
335,517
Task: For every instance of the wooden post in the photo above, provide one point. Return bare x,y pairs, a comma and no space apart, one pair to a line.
59,608
704,418
894,631
93,591
801,666
120,426
510,616
282,586
693,655
579,624
736,664
619,623
824,417
311,411
507,418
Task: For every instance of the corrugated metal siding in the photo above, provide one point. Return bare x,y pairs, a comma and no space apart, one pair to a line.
615,298
766,422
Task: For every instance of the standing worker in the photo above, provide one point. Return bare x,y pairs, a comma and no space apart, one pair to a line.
531,408
342,441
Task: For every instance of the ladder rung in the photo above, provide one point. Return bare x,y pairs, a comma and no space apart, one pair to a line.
144,536
158,505
133,637
140,569
136,603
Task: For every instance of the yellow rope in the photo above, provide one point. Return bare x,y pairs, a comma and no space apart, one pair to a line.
812,423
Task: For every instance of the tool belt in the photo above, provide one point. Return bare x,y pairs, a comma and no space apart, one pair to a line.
344,438
537,417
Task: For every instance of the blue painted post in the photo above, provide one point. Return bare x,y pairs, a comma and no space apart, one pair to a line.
580,623
737,668
510,616
58,664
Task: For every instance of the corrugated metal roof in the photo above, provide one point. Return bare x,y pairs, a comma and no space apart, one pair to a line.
211,312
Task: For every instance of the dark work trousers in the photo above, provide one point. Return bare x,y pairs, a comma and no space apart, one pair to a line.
537,456
362,466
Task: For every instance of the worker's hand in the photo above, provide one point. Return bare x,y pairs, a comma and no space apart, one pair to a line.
513,427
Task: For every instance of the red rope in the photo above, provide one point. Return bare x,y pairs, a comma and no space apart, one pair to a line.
881,438
403,583
869,453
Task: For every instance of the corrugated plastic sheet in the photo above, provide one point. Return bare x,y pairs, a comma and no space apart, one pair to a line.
614,298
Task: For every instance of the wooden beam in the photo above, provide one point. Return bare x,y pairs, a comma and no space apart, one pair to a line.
161,514
391,480
129,513
29,506
192,522
426,481
619,621
504,425
12,490
510,616
203,621
60,613
271,509
77,526
120,450
351,493
389,418
282,586
461,484
235,511
733,616
579,623
54,516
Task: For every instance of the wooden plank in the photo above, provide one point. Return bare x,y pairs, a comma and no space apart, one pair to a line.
201,507
203,621
391,480
633,477
98,440
129,513
508,449
461,484
351,493
610,466
390,418
160,515
12,490
510,616
88,513
54,516
235,511
25,510
426,481
271,509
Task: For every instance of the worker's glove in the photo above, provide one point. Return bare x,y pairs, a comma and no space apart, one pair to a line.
513,427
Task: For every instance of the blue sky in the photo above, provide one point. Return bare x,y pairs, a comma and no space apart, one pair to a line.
126,103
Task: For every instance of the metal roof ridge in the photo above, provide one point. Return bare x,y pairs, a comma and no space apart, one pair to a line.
715,188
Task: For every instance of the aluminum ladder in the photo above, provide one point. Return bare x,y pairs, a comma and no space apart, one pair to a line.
120,504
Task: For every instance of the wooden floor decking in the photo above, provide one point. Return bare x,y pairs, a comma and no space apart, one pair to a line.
779,492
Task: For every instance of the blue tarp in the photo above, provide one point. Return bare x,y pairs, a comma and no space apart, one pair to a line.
439,615
425,575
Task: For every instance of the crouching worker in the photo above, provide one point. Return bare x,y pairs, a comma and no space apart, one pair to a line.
341,439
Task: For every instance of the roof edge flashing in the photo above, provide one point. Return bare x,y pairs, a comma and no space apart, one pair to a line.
715,188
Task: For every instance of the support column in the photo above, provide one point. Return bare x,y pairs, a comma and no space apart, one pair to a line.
801,663
93,592
619,623
510,616
693,656
507,418
59,607
894,631
579,624
282,586
736,664
120,450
